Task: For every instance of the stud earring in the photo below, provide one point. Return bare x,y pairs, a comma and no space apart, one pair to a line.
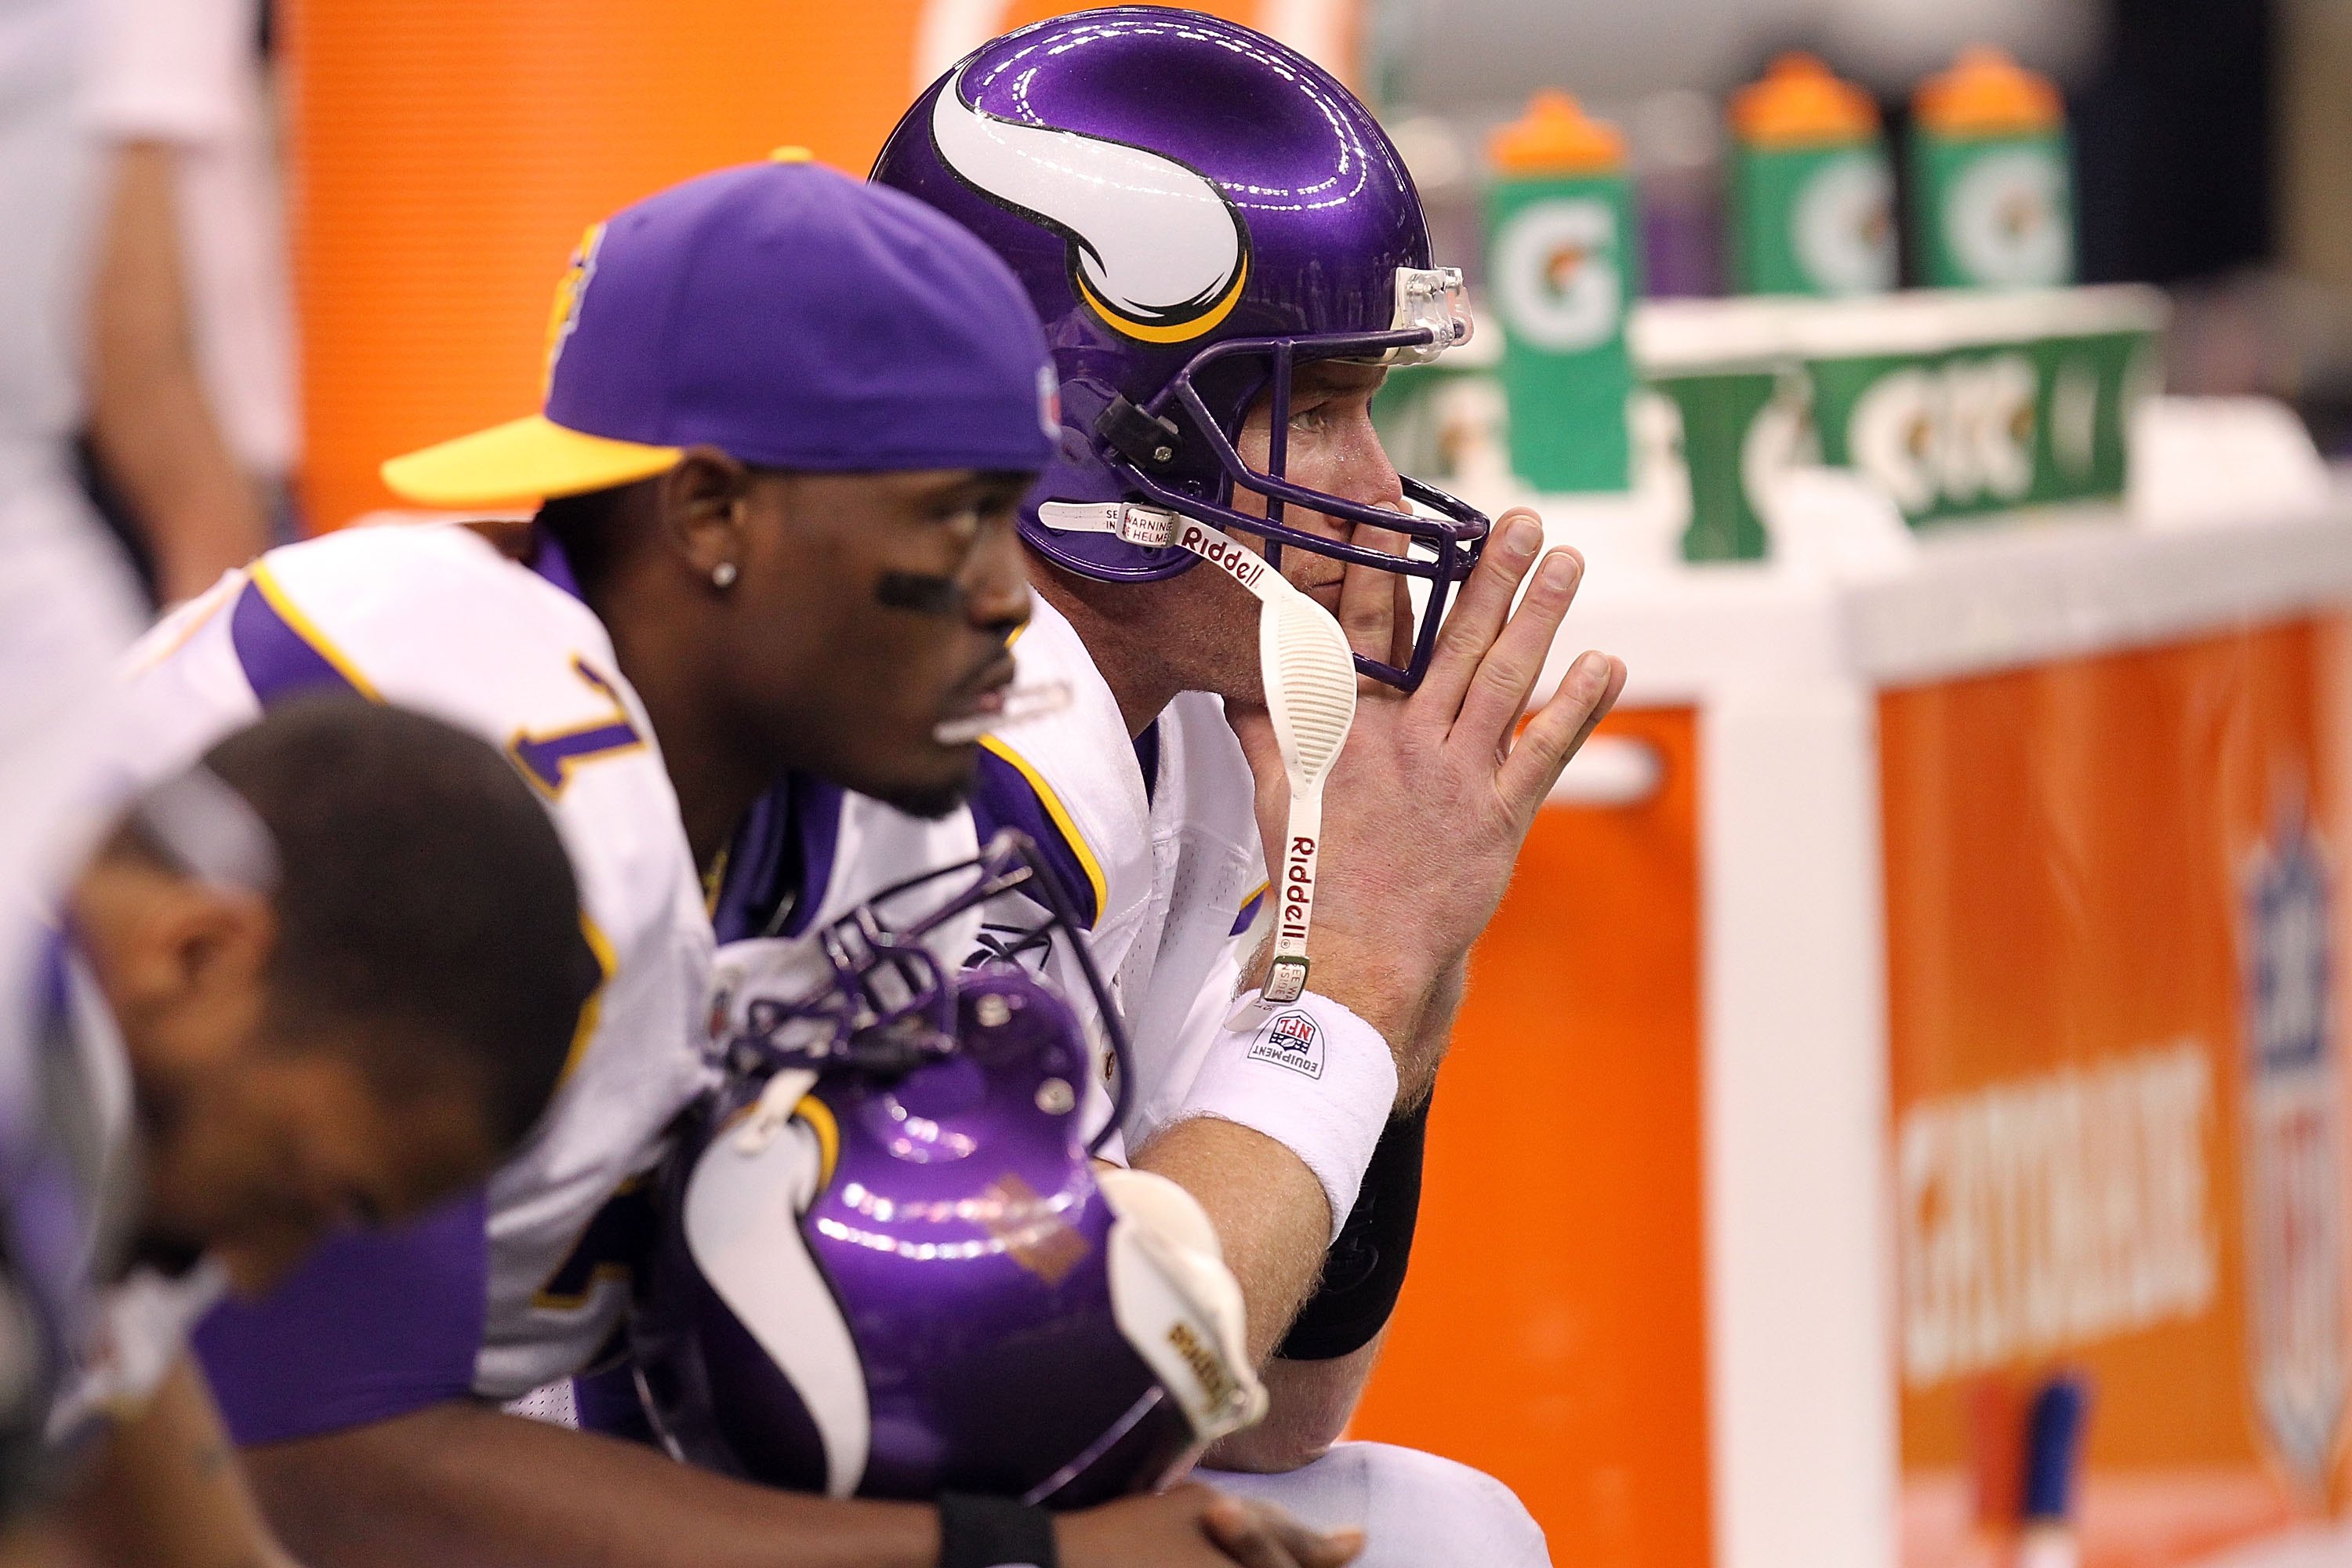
723,576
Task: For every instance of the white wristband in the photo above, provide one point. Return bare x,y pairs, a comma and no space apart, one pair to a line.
1313,1078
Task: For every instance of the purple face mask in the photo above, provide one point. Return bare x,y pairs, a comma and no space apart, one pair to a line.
888,1006
1440,548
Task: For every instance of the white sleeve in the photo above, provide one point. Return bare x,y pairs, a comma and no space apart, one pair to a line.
169,70
1167,1084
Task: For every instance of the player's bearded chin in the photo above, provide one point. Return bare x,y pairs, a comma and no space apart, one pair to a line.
930,802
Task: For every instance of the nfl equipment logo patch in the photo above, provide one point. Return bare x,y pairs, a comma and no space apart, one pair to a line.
2292,1156
1293,1040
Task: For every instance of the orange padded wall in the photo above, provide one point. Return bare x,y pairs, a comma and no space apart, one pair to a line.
449,153
1552,1331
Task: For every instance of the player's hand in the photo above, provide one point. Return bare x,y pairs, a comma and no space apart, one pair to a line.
1433,796
1192,1527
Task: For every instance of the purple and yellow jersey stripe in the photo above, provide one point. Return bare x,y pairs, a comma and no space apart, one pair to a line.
1011,792
1250,907
283,653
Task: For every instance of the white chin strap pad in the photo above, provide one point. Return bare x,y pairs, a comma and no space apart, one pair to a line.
1178,1304
1309,674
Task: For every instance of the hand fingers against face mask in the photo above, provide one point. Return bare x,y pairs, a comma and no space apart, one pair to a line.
1367,595
1560,727
1400,622
1507,674
1478,614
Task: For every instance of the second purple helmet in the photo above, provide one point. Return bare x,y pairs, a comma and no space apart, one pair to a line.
886,1263
1196,210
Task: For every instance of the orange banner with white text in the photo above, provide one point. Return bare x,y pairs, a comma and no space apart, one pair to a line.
2117,1091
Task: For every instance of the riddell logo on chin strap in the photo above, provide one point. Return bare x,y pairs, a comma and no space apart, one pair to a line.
1298,889
1242,565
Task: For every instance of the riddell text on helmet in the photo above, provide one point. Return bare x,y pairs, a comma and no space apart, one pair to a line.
1243,566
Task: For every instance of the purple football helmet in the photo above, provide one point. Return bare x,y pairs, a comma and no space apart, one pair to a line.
888,1267
1196,210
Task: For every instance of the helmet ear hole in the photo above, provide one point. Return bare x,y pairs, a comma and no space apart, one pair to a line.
1143,439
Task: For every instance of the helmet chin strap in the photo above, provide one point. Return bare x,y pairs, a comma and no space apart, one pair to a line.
1309,674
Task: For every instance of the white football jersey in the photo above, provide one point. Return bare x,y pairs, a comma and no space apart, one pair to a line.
810,852
1167,875
510,1290
1158,835
1167,864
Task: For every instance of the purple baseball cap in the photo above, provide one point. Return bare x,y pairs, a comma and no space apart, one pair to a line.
784,313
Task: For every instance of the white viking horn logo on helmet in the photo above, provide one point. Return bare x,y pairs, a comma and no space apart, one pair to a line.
1155,248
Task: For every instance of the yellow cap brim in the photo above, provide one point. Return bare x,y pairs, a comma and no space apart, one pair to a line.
526,459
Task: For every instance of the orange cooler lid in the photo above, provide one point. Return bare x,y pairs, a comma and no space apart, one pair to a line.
1555,136
1986,93
1801,103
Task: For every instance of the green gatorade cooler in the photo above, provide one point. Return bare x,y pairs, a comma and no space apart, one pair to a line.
1992,200
1813,194
1565,260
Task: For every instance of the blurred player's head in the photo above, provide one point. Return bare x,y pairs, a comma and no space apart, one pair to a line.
1228,253
346,960
789,419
